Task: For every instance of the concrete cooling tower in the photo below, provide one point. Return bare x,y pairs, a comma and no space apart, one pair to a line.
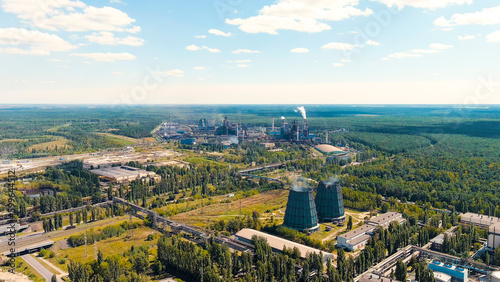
329,201
301,211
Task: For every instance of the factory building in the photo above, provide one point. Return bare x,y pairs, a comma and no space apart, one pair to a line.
329,149
356,239
329,202
385,219
277,243
491,223
479,220
124,174
300,211
456,273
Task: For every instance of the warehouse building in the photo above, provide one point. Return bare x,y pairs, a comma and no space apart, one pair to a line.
277,243
124,174
356,239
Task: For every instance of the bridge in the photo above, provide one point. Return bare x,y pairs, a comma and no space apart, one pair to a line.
178,227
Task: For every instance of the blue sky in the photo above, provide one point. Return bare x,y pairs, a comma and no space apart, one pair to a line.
243,51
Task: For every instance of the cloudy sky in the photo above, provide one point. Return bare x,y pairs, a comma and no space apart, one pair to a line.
247,51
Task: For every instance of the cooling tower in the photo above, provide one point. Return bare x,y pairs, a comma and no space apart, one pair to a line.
300,211
329,202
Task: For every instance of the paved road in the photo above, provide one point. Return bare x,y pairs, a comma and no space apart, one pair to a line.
38,267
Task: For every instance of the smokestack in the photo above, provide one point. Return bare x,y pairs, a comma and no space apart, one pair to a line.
273,125
327,137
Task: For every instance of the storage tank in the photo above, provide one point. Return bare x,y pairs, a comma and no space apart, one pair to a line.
329,201
300,211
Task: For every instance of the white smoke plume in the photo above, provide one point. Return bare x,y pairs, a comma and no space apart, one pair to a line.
282,117
302,111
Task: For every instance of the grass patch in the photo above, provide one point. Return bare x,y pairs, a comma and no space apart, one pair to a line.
116,245
42,262
123,140
59,142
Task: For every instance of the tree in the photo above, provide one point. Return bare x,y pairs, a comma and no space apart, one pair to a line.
54,278
71,218
78,272
349,223
400,273
385,207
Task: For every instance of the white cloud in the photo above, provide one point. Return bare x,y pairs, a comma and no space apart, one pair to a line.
211,50
300,50
199,68
494,37
108,38
426,4
55,60
373,43
196,48
299,15
200,36
339,46
69,15
106,57
487,16
345,61
32,42
192,48
247,51
337,65
242,66
466,37
416,53
220,33
176,73
239,61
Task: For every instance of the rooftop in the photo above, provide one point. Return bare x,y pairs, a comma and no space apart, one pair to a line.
384,218
363,229
328,148
479,219
278,243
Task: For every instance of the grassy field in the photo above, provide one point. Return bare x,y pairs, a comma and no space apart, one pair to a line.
59,142
12,140
116,245
56,128
122,140
270,203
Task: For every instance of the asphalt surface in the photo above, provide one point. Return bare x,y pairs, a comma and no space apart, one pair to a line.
38,267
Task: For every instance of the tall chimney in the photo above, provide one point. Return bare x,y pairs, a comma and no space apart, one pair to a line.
273,125
327,137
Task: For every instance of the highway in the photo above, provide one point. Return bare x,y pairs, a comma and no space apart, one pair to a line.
38,267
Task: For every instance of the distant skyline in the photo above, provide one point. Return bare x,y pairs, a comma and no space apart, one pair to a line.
250,52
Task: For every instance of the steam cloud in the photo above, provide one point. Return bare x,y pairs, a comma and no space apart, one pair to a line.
282,117
303,112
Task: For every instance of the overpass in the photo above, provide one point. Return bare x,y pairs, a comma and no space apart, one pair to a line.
178,227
